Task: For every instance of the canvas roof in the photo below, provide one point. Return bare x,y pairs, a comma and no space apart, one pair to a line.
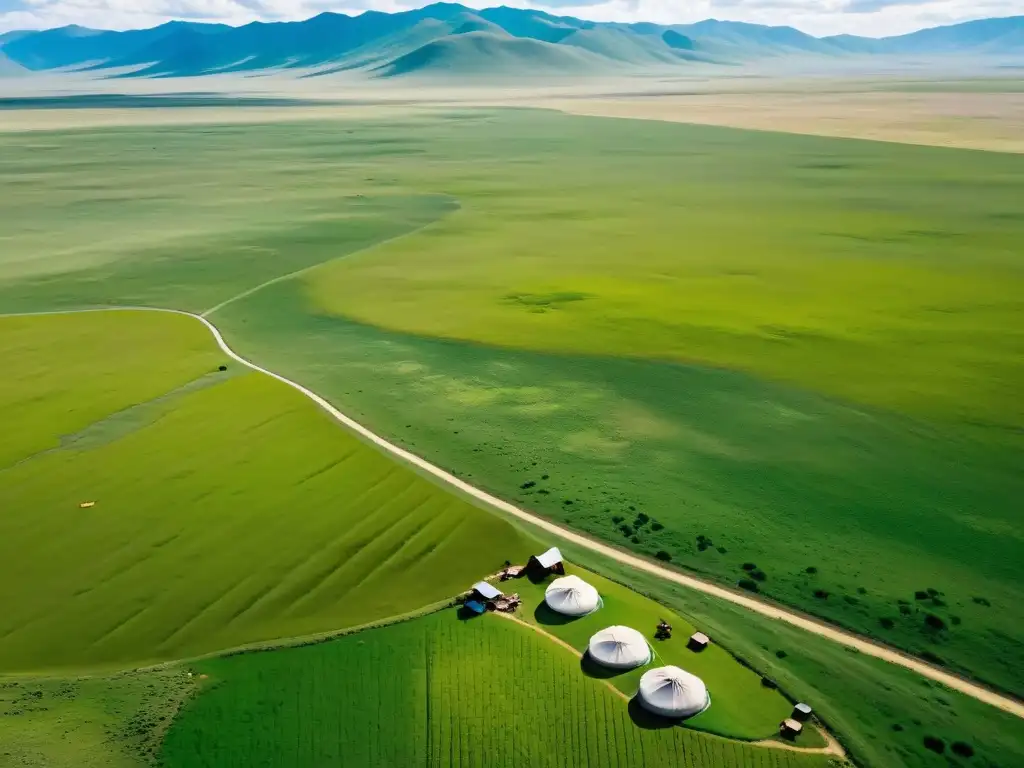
486,590
571,596
550,558
619,647
673,692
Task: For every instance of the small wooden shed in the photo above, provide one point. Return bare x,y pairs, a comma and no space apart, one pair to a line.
698,642
484,592
548,562
790,728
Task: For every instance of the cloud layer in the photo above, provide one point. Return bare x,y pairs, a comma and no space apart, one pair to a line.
820,17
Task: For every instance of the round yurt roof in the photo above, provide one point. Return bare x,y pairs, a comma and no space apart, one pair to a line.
620,648
572,596
673,692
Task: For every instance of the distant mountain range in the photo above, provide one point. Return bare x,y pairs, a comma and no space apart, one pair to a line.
452,39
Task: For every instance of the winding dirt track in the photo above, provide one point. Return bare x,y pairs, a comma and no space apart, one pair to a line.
867,647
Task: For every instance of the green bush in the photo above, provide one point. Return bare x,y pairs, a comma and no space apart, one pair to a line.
663,555
935,744
962,748
748,584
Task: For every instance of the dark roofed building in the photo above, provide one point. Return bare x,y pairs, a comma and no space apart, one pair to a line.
548,562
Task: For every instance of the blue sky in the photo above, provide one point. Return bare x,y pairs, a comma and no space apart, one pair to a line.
866,17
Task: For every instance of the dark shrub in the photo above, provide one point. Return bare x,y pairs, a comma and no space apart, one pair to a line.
897,727
934,621
962,748
635,539
545,477
821,594
544,491
934,659
933,592
642,519
938,602
618,519
748,584
954,620
528,484
663,555
935,744
567,502
921,595
861,591
759,575
222,368
722,550
632,508
656,526
810,569
781,654
749,567
887,623
627,530
905,610
982,601
703,545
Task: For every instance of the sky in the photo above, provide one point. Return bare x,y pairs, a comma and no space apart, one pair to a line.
818,17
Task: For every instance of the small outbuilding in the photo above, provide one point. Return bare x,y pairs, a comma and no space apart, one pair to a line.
802,713
548,562
698,642
619,648
482,592
571,596
673,692
790,728
474,606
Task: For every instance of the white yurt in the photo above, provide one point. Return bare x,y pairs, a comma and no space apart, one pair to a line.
571,596
673,692
619,648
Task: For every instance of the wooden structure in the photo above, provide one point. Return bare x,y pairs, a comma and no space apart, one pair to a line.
545,563
484,593
790,729
512,572
505,604
802,713
663,631
698,642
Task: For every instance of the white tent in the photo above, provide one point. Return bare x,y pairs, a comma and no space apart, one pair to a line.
673,692
619,648
572,596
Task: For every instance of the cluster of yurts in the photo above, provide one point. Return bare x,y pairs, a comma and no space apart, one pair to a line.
666,691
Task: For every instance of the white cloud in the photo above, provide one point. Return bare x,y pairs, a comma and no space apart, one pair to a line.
870,17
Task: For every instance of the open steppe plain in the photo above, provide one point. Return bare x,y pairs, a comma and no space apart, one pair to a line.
579,314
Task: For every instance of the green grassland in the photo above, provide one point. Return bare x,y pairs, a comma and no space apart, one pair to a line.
881,713
115,722
40,402
436,691
900,474
882,507
742,707
232,513
882,274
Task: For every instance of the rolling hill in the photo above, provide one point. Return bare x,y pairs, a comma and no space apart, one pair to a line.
427,41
